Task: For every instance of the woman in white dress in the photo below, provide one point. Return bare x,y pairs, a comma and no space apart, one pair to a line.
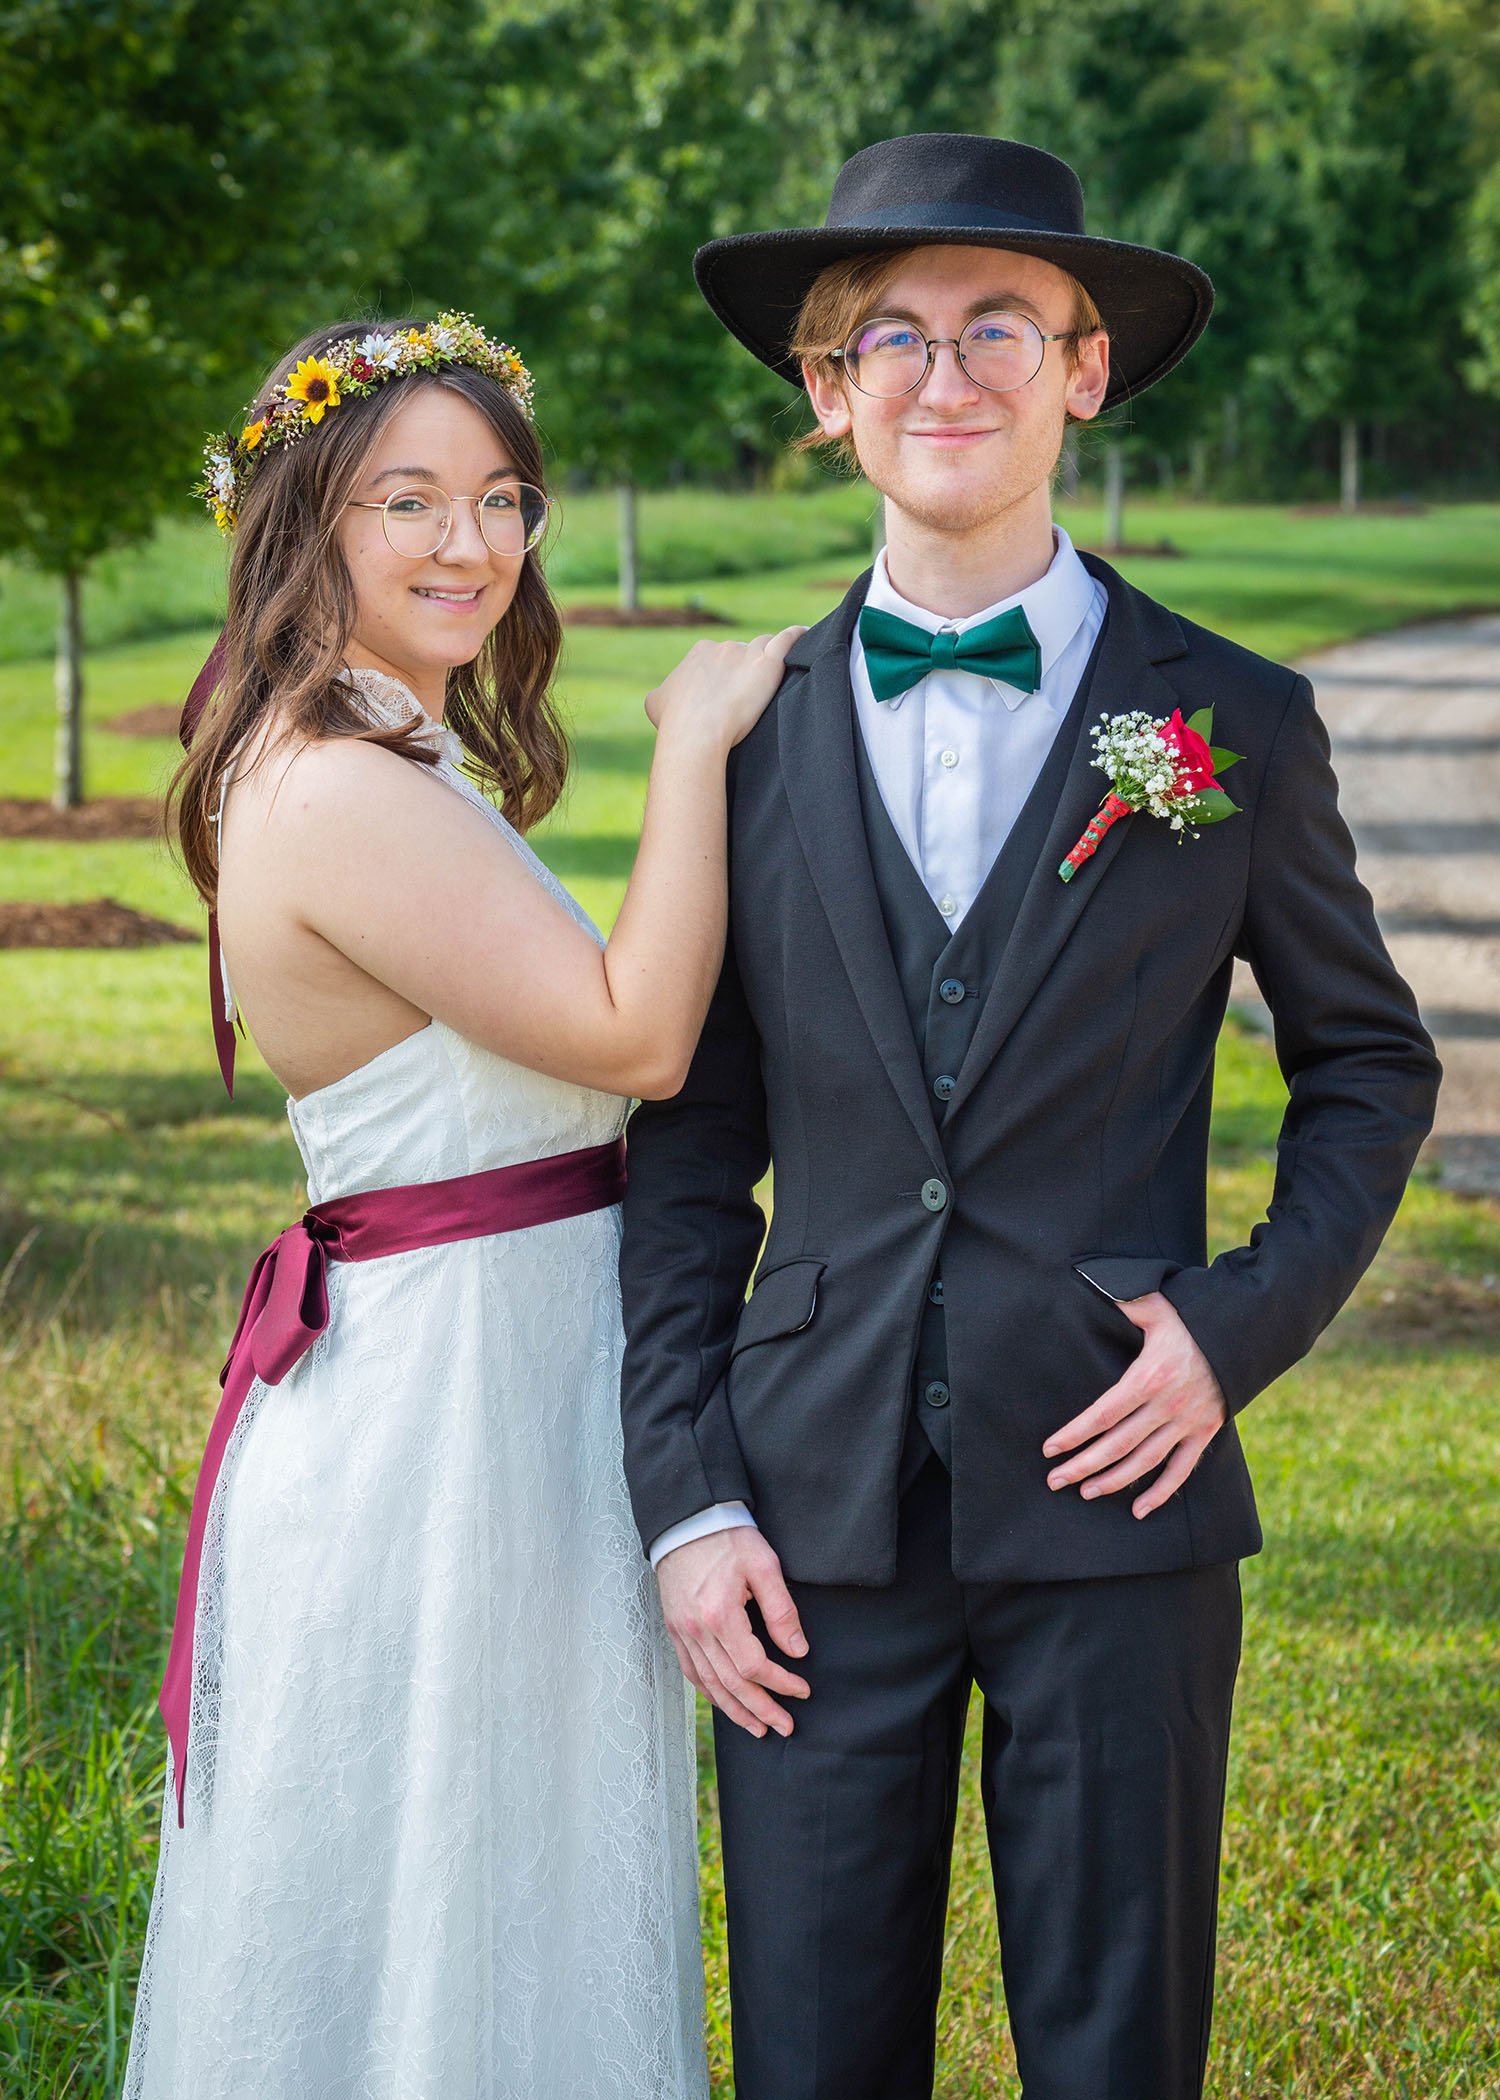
428,1833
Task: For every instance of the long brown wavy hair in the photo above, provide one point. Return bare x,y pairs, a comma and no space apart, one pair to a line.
291,615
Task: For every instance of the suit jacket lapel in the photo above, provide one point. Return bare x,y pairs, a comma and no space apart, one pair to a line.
815,729
1137,635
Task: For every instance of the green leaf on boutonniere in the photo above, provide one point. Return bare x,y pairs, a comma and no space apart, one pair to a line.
1223,759
1202,724
1212,806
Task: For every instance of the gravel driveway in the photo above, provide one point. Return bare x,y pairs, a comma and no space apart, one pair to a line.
1415,722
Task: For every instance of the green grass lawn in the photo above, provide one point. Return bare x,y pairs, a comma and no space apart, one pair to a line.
1360,1920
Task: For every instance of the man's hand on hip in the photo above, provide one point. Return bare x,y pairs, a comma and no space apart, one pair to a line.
1165,1412
705,1587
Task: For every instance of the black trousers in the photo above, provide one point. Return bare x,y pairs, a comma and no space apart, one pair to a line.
1106,1734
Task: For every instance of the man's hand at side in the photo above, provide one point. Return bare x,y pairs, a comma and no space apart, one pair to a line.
1165,1412
705,1588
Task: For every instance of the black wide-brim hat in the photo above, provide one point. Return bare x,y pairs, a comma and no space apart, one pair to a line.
953,189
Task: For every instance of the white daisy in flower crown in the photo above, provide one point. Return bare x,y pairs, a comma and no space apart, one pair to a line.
379,351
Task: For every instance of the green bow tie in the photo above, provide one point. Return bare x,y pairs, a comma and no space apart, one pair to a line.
897,654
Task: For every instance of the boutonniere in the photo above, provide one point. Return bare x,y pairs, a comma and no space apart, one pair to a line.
1169,769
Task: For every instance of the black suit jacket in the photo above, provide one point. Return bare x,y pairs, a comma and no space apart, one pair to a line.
1071,1166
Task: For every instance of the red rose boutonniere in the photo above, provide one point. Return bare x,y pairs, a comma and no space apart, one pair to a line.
1169,769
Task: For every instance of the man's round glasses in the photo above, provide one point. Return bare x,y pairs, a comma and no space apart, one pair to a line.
417,519
999,351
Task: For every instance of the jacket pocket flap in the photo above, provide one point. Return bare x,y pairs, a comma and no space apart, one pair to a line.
783,1302
1126,1275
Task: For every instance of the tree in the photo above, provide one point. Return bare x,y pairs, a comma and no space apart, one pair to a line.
614,138
1129,93
1376,145
184,187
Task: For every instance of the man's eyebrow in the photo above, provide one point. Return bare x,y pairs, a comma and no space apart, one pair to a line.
991,303
427,474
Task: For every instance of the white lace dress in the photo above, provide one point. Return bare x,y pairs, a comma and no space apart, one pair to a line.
439,1838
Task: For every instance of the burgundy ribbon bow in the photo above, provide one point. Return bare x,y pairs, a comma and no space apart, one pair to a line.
285,1309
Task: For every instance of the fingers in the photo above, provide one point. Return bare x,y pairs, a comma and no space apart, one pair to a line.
1183,1462
749,1658
745,1692
1147,1455
1113,1442
1102,1414
768,1588
734,1708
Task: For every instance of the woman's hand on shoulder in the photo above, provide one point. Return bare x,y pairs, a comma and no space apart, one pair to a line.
721,689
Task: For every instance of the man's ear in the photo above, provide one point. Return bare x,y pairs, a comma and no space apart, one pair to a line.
1089,381
830,402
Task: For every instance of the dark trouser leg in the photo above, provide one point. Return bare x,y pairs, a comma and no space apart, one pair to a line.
1106,1738
837,1840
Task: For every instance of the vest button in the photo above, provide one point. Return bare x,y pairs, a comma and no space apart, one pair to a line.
943,1086
934,1195
936,1394
935,1291
951,991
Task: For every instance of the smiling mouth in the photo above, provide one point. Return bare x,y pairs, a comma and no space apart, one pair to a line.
469,597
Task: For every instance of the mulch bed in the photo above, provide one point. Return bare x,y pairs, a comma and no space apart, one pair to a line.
146,721
99,924
110,817
643,616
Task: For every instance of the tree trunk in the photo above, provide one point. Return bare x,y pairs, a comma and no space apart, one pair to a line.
1198,469
1349,464
1070,469
630,590
1114,499
1231,439
67,789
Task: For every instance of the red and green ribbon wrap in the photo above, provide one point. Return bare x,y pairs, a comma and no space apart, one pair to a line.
1109,812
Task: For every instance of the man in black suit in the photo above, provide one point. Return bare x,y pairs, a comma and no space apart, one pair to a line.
976,1421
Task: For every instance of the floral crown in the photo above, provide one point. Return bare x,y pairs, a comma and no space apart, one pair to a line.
348,369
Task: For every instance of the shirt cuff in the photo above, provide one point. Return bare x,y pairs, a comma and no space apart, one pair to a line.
722,1516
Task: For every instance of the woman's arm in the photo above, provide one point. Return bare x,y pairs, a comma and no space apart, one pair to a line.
386,865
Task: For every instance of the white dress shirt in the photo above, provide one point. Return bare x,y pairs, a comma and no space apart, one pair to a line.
955,757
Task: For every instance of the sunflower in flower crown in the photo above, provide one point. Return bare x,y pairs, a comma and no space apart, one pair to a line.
316,385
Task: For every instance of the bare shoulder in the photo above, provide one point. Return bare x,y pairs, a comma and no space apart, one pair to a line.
306,790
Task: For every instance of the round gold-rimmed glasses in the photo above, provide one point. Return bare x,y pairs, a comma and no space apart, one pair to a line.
1000,351
418,518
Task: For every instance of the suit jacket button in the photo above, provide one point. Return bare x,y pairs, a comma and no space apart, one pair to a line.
951,991
935,1291
943,1086
936,1394
934,1195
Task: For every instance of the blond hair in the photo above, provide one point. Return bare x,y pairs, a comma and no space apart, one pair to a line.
848,292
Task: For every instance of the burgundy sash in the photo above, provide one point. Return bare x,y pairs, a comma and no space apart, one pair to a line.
285,1309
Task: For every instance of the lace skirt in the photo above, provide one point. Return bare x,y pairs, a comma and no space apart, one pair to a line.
439,1834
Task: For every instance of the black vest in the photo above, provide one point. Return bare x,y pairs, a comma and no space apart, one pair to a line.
945,980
